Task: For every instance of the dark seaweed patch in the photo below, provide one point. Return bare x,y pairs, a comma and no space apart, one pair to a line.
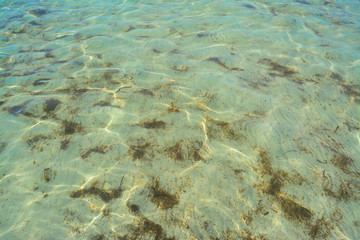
316,32
50,105
36,138
351,91
71,127
346,191
7,74
163,199
175,51
294,210
36,142
146,91
108,74
2,146
215,60
222,64
274,186
76,92
291,209
342,162
185,149
321,229
153,124
222,129
106,196
138,151
98,149
105,103
279,69
106,212
98,237
336,76
2,102
49,55
149,230
60,61
194,151
176,152
64,144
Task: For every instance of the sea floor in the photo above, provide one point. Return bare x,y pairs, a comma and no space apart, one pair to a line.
179,119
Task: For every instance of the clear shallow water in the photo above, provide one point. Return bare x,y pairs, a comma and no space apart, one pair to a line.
181,120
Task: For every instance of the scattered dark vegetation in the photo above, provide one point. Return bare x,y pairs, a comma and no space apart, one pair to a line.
2,146
107,75
280,70
64,144
147,229
291,209
98,149
35,138
336,76
185,149
107,102
75,91
163,199
294,210
222,64
222,129
71,127
98,237
138,151
350,90
104,103
146,91
153,124
33,142
343,162
106,212
321,229
347,190
106,196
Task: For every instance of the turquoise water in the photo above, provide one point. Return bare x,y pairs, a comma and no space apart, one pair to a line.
180,119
